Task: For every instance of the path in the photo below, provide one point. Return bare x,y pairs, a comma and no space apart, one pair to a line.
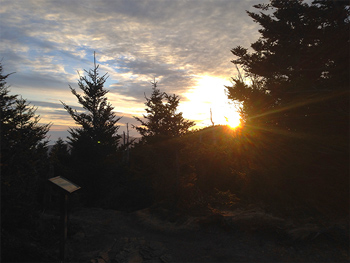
113,236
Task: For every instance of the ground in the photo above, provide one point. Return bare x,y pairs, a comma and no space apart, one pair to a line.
239,235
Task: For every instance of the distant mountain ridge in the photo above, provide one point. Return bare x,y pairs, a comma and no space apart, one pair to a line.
121,142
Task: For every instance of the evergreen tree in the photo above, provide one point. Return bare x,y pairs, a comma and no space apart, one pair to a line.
157,157
23,154
300,67
94,144
60,158
162,120
98,131
297,105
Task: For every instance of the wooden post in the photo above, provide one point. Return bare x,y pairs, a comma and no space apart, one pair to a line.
64,220
127,141
177,159
66,187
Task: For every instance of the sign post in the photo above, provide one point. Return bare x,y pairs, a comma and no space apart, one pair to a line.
66,188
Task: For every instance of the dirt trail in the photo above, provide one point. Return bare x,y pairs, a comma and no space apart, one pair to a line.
240,236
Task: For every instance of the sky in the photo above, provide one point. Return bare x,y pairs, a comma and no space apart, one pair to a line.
183,44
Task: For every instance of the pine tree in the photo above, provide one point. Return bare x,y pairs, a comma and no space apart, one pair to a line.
162,120
300,67
94,145
98,132
23,154
60,158
297,105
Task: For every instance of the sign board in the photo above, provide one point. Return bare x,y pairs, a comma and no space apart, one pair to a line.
64,184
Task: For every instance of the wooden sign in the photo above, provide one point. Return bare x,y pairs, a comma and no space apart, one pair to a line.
64,184
68,188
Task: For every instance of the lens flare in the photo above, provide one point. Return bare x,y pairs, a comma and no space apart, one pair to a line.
234,120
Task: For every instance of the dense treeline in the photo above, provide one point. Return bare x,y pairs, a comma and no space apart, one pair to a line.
290,155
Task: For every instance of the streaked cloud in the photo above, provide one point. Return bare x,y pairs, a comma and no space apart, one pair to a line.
46,42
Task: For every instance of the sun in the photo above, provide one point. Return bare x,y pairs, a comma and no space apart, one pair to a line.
233,120
208,104
234,123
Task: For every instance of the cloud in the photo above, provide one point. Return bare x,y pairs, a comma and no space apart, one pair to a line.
47,42
44,104
52,105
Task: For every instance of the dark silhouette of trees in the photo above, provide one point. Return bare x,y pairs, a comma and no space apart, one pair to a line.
162,120
299,67
60,158
156,158
24,164
98,131
23,151
296,107
95,143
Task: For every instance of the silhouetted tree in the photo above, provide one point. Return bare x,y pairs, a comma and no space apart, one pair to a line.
60,158
23,155
95,142
296,106
158,158
98,131
162,120
299,66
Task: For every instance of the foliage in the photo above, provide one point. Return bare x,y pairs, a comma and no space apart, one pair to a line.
155,165
59,153
98,131
95,143
24,165
23,152
299,74
296,106
162,120
155,159
60,159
